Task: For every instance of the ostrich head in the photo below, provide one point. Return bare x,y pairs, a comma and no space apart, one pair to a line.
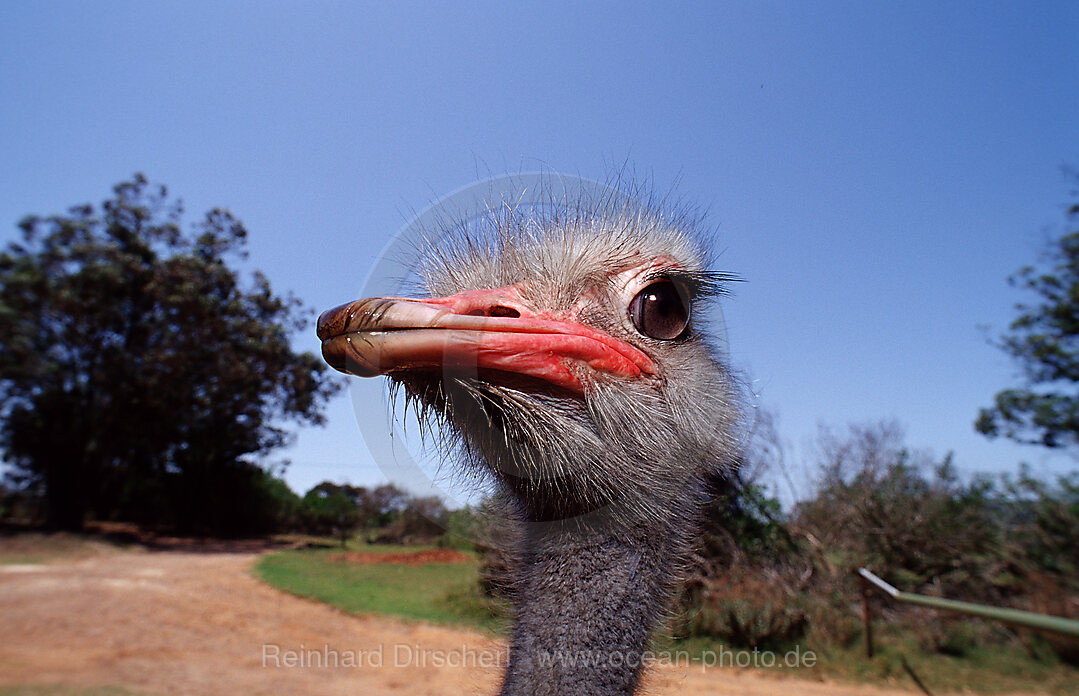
567,351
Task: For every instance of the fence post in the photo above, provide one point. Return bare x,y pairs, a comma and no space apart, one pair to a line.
867,618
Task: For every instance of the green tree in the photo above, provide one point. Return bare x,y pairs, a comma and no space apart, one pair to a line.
141,377
1044,523
384,505
331,509
1044,340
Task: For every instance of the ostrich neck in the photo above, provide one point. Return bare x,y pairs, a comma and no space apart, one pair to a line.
588,599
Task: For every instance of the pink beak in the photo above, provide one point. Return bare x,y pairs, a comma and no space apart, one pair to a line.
471,331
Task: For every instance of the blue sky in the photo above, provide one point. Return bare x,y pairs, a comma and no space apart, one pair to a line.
874,170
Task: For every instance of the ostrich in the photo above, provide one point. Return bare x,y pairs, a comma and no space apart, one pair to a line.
566,355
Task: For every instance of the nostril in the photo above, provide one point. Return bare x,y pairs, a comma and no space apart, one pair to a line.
502,311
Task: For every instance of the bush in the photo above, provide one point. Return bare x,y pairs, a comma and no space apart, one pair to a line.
744,608
329,509
423,521
957,639
905,516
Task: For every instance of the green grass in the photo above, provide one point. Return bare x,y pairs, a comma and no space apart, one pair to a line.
985,670
441,593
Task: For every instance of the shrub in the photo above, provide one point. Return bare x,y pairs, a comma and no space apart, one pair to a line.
744,608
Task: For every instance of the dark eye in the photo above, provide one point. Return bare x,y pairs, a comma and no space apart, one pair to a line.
660,311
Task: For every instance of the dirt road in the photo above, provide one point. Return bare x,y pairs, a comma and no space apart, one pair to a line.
199,623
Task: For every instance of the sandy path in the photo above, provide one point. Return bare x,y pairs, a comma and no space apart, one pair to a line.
199,623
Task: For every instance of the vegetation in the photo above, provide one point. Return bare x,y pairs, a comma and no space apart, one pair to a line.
992,669
385,514
449,594
1044,341
444,593
141,376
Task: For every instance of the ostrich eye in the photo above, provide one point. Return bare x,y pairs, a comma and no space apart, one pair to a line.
660,311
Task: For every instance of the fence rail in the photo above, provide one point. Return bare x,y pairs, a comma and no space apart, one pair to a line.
1016,617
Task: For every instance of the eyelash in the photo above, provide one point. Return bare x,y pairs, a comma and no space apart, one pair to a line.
697,284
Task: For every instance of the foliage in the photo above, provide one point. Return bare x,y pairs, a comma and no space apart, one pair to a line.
742,521
330,509
903,514
1044,340
422,521
911,520
381,505
390,514
745,608
242,499
139,375
1044,519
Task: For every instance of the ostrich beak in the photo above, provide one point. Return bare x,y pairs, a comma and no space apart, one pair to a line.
465,333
